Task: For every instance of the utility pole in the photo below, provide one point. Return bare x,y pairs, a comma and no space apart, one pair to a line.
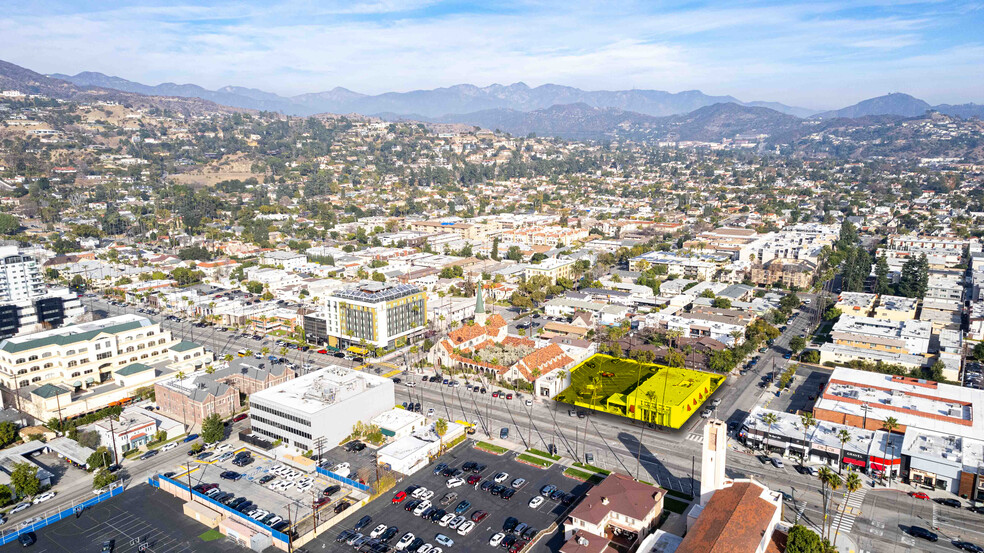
112,433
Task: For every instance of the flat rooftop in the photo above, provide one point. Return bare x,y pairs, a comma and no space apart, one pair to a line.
74,333
921,404
899,304
322,388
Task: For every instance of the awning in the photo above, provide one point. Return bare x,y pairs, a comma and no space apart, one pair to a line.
77,383
854,462
879,468
89,380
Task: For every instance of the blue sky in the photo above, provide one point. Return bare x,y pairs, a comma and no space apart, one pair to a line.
818,54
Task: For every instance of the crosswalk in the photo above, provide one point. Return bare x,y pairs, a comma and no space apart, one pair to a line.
848,511
696,437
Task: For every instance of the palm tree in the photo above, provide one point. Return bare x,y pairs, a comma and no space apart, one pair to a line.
852,484
807,420
843,436
770,419
228,357
829,481
264,350
890,424
642,432
180,376
440,428
209,369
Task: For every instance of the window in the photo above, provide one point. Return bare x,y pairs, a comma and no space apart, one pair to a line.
32,358
35,368
22,371
129,349
49,365
36,379
75,374
45,354
104,355
21,360
72,363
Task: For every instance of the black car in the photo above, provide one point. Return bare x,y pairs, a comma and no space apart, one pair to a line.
27,539
266,479
948,501
469,466
411,505
447,471
479,468
920,532
342,505
344,535
331,490
416,544
440,468
967,546
236,502
389,533
437,514
149,454
509,524
507,494
108,546
279,527
363,522
529,533
487,485
428,513
508,541
497,489
978,510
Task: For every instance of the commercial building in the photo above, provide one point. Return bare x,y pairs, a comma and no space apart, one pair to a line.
290,261
375,314
412,452
78,369
790,272
194,397
856,304
322,405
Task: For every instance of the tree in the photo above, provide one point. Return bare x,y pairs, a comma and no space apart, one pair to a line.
852,484
832,313
378,277
882,284
101,457
721,303
102,479
9,224
212,428
789,302
495,248
8,433
441,428
829,481
843,437
770,419
803,540
979,351
796,344
514,254
25,479
812,356
807,420
88,439
6,496
254,287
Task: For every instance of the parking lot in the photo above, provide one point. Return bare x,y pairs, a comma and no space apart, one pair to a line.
383,511
140,515
270,485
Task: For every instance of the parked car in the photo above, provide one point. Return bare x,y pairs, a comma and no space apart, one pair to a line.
920,532
949,502
918,495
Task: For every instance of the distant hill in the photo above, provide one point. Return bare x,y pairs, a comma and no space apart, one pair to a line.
458,99
889,104
15,77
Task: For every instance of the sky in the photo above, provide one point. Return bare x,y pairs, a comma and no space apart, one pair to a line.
818,54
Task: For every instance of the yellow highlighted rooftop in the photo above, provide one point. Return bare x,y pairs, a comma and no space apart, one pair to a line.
642,391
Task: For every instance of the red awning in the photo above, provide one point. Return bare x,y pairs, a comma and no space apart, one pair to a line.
879,468
854,462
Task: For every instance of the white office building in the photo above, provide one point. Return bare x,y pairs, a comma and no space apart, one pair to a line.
324,404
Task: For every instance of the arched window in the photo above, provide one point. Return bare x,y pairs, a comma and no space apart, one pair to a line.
140,346
75,374
21,360
129,349
49,365
36,379
25,383
22,371
151,333
35,368
72,363
32,358
161,341
144,356
88,371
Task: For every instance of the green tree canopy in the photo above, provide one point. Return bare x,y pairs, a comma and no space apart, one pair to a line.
25,479
212,428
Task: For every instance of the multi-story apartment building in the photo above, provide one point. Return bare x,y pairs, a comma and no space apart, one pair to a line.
910,337
82,368
552,269
376,314
895,308
26,303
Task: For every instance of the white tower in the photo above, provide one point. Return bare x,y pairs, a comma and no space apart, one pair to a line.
712,462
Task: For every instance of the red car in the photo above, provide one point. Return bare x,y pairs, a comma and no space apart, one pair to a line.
518,546
509,396
495,393
399,497
918,495
238,418
479,516
323,351
473,479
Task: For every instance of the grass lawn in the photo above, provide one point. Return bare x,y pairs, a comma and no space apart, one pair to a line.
211,535
542,463
491,448
592,477
592,468
543,454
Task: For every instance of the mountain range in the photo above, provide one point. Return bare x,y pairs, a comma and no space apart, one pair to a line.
547,110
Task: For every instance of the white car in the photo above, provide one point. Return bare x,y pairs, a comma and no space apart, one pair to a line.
222,448
411,384
501,477
465,528
424,505
20,507
454,524
518,483
495,540
444,540
536,501
427,494
31,521
168,447
426,548
378,531
44,497
100,491
446,519
404,541
418,492
529,403
455,482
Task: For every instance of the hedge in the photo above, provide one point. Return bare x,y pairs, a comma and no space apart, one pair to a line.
542,463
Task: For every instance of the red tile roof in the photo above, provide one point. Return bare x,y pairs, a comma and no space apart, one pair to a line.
733,521
624,496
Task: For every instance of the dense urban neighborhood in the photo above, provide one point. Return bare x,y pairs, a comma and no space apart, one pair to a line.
225,329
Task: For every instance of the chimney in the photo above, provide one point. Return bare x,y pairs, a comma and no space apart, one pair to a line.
604,501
